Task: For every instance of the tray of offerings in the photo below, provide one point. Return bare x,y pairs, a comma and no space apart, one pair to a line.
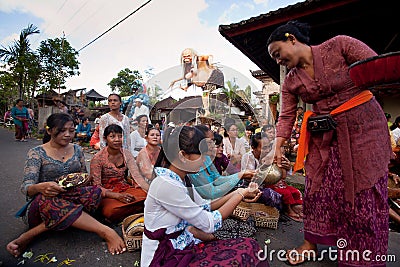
376,71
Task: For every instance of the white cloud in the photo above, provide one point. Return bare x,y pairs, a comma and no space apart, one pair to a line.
154,36
263,2
225,18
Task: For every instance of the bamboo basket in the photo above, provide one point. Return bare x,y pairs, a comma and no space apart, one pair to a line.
242,211
264,216
132,242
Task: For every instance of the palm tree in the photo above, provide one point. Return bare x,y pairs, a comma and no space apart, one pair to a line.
18,57
230,92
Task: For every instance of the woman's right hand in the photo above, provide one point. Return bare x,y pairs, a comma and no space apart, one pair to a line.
247,174
50,189
125,197
251,193
278,151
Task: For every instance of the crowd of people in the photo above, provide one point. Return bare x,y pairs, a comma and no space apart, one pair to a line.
212,170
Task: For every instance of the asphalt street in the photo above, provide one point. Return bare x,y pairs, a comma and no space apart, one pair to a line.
74,247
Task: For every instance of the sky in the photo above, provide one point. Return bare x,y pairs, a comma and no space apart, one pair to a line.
152,39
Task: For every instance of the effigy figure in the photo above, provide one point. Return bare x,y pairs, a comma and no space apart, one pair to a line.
198,71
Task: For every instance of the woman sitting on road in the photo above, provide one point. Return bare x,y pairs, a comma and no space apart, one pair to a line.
148,155
138,140
176,215
109,169
83,132
50,206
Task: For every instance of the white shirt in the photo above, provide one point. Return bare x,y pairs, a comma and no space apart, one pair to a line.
249,162
174,212
239,149
137,143
142,110
106,120
396,135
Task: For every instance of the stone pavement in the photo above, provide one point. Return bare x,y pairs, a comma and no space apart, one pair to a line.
84,249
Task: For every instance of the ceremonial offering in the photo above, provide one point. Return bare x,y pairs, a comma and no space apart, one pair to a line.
378,70
73,179
132,231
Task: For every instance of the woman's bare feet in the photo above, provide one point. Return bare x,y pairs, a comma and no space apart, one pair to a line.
17,246
114,242
306,252
292,214
298,209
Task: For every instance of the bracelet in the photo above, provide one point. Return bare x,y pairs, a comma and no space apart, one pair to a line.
240,193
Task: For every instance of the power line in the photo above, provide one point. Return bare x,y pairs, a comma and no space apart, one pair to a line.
114,25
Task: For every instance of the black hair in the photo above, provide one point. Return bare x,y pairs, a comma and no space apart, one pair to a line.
396,123
185,138
149,128
300,30
19,99
112,128
138,118
56,121
256,139
203,128
250,128
120,99
267,127
218,139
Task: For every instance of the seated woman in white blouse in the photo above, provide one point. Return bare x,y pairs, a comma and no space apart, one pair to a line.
138,140
234,148
176,217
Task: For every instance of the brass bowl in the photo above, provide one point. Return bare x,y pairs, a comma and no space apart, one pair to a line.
270,174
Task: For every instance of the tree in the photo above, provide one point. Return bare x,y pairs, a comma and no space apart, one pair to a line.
154,93
18,57
124,81
58,61
230,92
8,90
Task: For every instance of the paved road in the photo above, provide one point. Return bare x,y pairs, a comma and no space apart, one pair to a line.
87,249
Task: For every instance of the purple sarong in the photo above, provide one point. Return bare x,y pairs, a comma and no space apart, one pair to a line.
330,220
60,212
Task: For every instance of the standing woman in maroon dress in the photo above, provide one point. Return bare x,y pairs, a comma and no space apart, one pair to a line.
345,202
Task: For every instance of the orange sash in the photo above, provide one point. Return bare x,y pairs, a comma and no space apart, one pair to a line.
302,152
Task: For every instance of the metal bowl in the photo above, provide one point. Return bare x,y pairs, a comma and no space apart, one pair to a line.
270,174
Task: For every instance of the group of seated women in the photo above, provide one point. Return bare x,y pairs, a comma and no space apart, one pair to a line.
175,224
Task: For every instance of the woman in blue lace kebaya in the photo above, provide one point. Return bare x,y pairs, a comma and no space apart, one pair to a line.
51,206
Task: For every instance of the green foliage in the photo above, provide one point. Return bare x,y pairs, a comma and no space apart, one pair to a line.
247,92
124,81
58,61
8,91
30,72
154,93
230,92
20,58
91,104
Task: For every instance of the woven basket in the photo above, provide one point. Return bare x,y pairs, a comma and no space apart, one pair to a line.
132,242
264,216
242,211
